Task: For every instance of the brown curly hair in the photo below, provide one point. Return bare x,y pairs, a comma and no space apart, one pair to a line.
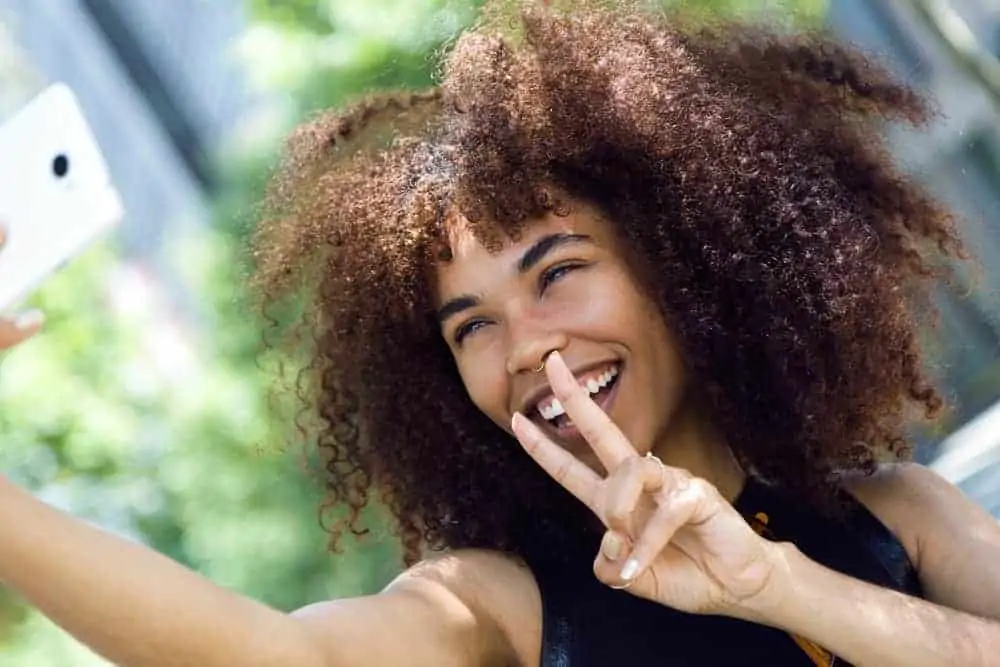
793,259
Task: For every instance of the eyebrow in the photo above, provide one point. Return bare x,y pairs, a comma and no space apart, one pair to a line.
532,256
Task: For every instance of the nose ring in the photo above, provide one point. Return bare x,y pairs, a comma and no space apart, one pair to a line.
541,364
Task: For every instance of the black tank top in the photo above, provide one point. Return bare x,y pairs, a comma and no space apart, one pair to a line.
587,624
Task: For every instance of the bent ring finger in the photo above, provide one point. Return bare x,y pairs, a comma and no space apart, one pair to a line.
636,476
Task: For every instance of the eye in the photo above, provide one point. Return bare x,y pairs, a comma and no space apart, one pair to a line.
467,329
556,273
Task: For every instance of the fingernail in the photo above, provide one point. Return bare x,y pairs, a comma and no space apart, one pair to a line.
29,319
521,423
630,570
612,547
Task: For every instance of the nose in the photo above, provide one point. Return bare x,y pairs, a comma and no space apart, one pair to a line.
529,347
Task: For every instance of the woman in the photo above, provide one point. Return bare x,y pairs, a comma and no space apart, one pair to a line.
674,264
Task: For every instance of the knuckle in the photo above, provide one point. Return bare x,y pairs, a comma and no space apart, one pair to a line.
630,467
623,477
693,492
652,469
617,515
700,488
561,470
677,477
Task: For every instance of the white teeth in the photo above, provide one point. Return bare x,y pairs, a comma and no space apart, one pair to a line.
551,408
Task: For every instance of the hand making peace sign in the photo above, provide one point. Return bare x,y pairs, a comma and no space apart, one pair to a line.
672,538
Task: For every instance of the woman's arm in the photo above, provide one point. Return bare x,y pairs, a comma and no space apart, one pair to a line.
871,626
691,550
953,542
955,546
136,607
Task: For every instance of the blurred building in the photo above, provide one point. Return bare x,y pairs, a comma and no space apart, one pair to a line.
959,159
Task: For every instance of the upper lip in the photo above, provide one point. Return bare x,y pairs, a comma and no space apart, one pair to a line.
535,395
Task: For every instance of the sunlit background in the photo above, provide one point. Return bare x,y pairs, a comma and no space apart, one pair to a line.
142,407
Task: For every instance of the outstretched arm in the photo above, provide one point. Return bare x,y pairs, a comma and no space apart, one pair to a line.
132,605
136,607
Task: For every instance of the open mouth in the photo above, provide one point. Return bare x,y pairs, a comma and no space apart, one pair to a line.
601,383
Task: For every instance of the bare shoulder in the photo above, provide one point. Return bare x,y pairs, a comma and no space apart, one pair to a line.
454,610
918,505
892,482
497,587
952,541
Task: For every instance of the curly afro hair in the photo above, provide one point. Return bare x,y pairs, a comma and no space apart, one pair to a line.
793,259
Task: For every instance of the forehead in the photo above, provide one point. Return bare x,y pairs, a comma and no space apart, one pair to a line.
473,266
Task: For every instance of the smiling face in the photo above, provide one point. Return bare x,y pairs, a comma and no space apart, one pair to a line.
565,285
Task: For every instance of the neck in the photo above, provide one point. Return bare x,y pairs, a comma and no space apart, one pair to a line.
696,446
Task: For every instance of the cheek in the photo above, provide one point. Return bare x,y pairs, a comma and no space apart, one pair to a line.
486,389
669,360
602,304
651,334
614,306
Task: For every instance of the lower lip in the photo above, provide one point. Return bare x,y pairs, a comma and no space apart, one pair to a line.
569,435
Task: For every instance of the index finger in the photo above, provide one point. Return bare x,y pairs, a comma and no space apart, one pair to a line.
606,439
571,473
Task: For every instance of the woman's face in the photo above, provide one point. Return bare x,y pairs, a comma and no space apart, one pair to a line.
565,285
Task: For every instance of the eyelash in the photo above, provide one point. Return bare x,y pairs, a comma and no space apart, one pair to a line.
549,276
466,329
554,273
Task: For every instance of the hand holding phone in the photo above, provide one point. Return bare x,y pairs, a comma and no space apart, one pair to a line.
56,194
20,327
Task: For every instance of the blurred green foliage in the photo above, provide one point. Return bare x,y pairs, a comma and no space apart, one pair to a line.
158,429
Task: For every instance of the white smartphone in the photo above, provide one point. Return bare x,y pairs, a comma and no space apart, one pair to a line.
56,194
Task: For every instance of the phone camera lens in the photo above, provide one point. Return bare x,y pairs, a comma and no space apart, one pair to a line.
60,165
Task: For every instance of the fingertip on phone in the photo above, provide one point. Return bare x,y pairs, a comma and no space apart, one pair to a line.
29,319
